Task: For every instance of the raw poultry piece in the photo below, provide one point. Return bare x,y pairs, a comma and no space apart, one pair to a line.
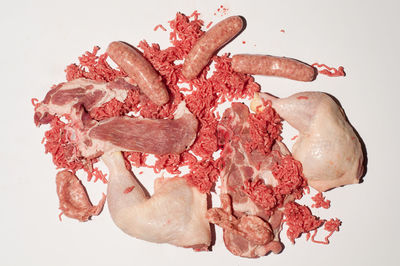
327,145
175,214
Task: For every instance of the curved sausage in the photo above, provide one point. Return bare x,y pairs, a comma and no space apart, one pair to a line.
273,66
137,67
201,53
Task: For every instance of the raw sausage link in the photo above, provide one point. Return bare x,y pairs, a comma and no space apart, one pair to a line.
201,53
273,66
137,67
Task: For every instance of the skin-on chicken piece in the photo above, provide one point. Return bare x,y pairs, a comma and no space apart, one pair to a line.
175,214
327,145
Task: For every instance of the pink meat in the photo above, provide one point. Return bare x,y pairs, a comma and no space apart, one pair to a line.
216,37
251,231
147,135
175,214
93,138
74,201
63,98
156,136
247,236
273,66
139,69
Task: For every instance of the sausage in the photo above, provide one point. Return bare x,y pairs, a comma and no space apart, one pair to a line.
200,54
138,68
273,66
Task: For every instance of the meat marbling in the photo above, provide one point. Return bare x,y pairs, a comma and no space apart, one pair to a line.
249,230
156,136
92,138
327,145
175,214
64,98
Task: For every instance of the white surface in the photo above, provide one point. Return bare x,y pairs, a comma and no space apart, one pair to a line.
39,38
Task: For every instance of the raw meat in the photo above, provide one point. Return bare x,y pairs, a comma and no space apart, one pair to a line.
92,138
327,146
138,68
250,230
247,236
66,96
175,214
273,66
207,45
74,201
156,136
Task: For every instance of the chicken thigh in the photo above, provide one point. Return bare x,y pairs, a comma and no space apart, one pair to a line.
327,145
175,214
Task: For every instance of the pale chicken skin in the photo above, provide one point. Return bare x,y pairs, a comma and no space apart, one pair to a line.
175,214
327,145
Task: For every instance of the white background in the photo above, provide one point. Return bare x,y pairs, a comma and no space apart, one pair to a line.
40,38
